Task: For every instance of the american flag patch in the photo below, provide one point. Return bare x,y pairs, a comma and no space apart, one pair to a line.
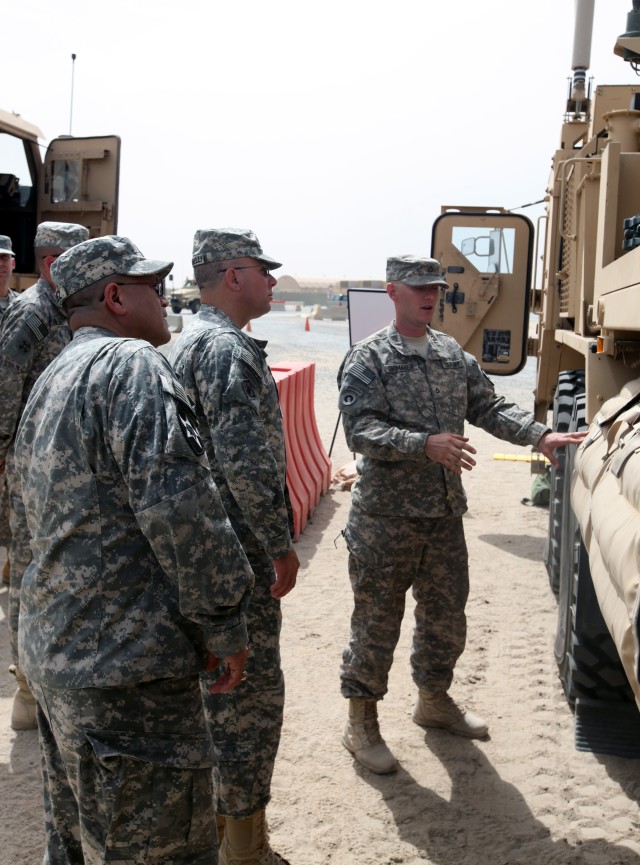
249,359
37,328
359,371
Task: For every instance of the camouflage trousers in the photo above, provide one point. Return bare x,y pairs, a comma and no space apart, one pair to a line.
127,775
245,723
19,552
387,557
5,530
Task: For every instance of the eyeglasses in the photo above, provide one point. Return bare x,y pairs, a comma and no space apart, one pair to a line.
158,287
263,267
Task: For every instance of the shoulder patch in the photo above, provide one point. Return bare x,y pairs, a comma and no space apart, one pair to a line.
246,357
359,371
185,414
349,396
189,430
37,328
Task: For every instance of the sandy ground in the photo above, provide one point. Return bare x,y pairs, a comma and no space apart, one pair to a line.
523,795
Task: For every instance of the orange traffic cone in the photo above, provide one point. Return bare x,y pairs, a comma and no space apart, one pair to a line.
248,327
306,324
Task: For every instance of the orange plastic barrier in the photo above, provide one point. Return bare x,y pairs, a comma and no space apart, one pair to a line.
308,466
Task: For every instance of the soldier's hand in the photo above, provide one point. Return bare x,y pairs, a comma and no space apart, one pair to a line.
231,671
552,440
286,568
450,450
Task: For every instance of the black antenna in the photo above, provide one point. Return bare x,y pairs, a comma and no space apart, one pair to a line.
73,66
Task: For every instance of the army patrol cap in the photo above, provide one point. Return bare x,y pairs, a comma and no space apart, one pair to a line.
223,244
92,260
59,235
6,247
413,270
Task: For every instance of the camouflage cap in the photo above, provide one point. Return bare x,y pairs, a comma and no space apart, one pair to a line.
414,270
222,244
59,235
88,262
6,247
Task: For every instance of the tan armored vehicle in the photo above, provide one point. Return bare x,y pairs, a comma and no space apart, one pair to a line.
75,180
587,345
186,296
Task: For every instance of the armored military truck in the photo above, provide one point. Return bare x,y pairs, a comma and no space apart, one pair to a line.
70,180
586,305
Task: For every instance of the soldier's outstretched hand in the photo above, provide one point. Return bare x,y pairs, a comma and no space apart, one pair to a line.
450,450
552,440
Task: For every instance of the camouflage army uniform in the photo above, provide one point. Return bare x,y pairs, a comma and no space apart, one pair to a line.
404,528
34,331
6,301
225,373
136,573
5,531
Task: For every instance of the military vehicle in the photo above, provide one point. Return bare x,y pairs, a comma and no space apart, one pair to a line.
186,296
586,301
74,180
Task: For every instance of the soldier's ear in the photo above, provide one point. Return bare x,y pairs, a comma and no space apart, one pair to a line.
114,298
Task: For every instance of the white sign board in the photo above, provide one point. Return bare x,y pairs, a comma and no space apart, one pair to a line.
370,309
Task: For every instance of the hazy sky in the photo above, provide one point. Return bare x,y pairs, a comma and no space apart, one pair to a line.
335,130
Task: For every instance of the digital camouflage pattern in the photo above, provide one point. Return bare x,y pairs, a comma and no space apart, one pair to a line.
225,244
135,784
246,722
415,270
6,245
387,557
59,235
34,331
404,526
100,257
6,301
225,373
127,528
6,248
391,399
5,531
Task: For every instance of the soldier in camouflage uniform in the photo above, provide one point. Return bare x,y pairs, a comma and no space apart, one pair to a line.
137,579
7,296
226,374
405,394
33,332
7,265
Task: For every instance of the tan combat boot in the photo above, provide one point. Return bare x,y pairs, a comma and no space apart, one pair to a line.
23,713
437,709
246,842
362,737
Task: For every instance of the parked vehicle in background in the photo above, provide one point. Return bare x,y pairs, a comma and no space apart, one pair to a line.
185,297
338,307
76,181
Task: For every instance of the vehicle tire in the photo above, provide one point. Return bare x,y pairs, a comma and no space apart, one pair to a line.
176,308
194,306
570,385
587,659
